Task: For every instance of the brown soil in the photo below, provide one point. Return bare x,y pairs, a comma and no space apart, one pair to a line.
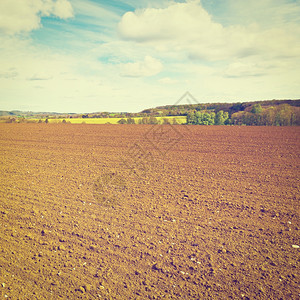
141,212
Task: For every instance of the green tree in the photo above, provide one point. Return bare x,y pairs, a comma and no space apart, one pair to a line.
249,119
284,115
153,120
221,118
237,118
198,119
144,121
268,117
122,121
256,109
130,121
226,118
190,118
212,118
208,119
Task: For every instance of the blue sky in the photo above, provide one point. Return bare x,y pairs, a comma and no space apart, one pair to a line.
88,55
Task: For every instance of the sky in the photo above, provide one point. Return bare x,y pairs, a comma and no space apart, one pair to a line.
125,56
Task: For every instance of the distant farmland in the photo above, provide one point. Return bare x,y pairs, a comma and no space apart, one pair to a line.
179,119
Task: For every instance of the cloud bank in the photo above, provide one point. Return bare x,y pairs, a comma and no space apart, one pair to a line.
148,67
188,27
18,16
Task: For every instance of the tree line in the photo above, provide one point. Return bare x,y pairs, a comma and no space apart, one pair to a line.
269,114
281,115
208,118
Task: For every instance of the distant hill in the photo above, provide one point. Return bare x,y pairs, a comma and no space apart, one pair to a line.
9,113
231,108
266,112
30,114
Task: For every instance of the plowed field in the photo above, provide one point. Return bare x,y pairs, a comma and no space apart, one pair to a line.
141,212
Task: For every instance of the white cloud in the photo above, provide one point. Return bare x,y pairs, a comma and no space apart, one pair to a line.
149,67
187,27
63,9
168,80
178,27
10,73
18,16
240,69
39,77
168,23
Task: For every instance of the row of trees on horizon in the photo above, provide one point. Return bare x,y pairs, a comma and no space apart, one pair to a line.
282,115
255,115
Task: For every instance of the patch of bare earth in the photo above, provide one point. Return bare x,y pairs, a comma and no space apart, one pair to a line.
128,212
